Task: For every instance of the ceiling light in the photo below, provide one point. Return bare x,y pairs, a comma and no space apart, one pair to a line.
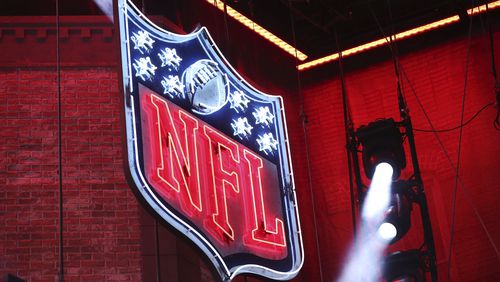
397,221
404,266
381,141
398,36
258,29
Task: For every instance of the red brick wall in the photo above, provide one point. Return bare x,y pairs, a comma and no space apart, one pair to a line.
101,221
436,70
108,237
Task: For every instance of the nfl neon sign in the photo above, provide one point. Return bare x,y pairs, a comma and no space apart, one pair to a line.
207,151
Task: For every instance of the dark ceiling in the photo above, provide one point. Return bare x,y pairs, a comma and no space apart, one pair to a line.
356,21
314,22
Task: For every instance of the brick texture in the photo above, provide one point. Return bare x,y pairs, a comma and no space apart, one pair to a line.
107,235
436,71
100,219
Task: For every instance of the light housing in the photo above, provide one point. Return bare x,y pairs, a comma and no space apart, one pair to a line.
398,215
404,266
382,141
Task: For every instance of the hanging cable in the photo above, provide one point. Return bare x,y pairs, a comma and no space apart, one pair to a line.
303,117
459,151
443,149
349,133
450,162
406,122
59,146
458,126
496,122
157,247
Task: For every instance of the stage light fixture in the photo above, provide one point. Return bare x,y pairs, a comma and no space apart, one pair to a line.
397,219
404,266
382,141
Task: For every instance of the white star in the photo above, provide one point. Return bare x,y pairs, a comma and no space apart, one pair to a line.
169,58
267,143
142,41
263,116
241,127
173,86
144,68
238,100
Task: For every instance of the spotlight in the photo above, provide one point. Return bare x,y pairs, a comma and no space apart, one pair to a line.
387,231
404,266
397,221
382,141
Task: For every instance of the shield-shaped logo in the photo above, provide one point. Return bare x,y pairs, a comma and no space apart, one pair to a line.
207,151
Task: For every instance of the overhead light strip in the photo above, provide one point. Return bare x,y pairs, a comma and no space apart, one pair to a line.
258,29
405,34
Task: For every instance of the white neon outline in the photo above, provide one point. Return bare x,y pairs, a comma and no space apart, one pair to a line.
279,222
286,166
127,42
183,153
234,174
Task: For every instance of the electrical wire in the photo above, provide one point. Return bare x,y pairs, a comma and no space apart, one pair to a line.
458,126
306,143
59,146
450,162
459,151
157,247
496,122
348,133
433,130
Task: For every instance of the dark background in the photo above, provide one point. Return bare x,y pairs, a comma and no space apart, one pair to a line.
108,236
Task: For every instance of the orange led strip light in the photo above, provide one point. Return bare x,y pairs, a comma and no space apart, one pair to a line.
258,29
398,36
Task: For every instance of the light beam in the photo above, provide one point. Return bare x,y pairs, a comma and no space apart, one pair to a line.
366,257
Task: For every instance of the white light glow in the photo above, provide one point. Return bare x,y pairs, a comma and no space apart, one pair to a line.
142,41
267,143
241,127
387,231
144,68
263,116
238,101
169,58
366,256
378,196
173,86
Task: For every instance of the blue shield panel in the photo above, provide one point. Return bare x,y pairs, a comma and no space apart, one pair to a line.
206,151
